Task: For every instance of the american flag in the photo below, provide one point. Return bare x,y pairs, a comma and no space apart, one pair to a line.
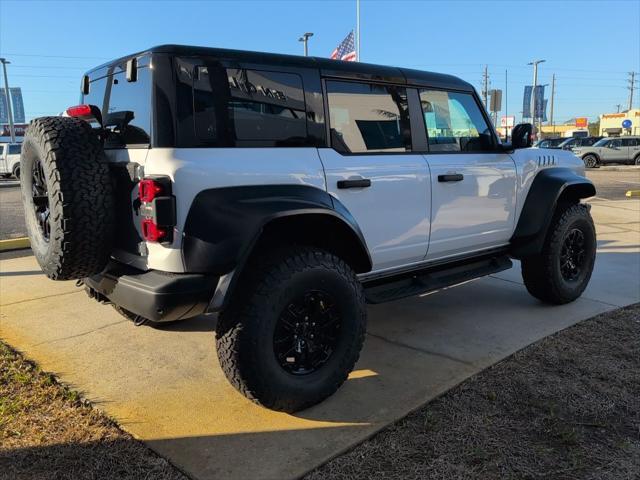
346,50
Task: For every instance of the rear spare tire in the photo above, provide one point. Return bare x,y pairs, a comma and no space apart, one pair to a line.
67,197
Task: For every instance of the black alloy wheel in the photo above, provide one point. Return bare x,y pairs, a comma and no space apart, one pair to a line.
590,161
40,196
307,333
572,256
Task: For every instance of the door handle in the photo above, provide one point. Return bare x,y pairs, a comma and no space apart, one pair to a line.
355,183
451,177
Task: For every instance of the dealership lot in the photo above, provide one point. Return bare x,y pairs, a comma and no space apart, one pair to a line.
165,386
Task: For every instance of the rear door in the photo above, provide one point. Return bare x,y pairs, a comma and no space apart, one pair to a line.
473,182
631,147
371,169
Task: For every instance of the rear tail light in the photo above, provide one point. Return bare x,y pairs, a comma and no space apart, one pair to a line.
157,209
152,232
148,189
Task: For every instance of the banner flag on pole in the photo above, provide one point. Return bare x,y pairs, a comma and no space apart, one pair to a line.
18,105
4,111
526,102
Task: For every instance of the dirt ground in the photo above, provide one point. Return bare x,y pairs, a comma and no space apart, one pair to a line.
567,407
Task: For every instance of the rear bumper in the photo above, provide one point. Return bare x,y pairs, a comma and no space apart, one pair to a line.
155,295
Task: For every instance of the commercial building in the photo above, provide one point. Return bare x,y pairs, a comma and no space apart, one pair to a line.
623,123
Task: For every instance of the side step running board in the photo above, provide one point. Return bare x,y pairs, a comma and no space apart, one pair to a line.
434,278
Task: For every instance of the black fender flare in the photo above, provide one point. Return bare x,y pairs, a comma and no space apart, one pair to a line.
547,189
223,224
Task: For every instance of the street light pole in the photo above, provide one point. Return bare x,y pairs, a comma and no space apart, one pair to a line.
533,90
12,130
304,39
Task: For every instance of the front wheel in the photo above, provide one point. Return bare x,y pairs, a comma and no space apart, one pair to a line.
294,332
590,161
561,272
636,161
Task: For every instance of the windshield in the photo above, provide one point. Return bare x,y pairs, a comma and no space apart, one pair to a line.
567,142
601,142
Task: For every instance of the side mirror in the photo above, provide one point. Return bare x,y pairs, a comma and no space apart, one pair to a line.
522,136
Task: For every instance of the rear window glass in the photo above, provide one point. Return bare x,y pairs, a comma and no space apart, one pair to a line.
125,107
240,107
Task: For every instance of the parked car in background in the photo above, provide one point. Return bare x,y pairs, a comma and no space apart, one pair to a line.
10,159
611,150
576,142
549,142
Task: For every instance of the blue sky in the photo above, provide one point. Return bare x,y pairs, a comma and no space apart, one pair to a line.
589,45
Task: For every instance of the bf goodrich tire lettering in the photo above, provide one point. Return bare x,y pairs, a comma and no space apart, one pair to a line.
68,198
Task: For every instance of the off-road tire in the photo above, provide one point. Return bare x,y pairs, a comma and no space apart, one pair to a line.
542,273
590,161
636,160
245,330
16,171
79,193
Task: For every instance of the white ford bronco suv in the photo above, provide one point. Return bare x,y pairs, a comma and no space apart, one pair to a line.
284,193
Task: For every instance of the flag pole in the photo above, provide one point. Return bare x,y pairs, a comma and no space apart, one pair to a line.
357,30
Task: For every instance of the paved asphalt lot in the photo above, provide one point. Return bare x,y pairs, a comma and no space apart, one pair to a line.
611,182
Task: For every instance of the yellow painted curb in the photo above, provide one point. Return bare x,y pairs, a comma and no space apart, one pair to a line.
14,244
633,193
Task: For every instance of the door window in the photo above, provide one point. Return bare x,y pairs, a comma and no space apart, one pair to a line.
629,142
240,107
15,149
455,123
367,118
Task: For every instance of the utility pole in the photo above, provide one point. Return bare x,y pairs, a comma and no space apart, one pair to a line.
506,105
631,87
485,87
304,39
533,91
553,93
12,130
618,105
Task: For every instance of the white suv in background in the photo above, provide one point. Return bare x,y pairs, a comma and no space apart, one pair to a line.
10,159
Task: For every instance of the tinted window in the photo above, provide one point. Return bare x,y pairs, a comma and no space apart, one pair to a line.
249,108
626,142
368,118
1,149
125,106
15,149
615,143
454,122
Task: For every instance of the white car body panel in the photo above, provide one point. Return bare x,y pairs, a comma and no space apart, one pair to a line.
193,170
394,212
477,212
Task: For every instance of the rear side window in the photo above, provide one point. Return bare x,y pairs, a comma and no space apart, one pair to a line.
626,142
455,123
367,118
15,149
251,108
125,107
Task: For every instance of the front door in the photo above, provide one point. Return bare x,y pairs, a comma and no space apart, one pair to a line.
473,183
613,151
370,169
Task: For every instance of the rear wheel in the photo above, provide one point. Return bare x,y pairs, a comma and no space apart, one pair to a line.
295,331
67,197
636,161
590,161
16,171
561,272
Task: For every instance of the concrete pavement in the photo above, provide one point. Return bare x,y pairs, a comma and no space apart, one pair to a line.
166,388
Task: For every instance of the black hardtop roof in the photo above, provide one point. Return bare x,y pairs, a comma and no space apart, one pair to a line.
327,66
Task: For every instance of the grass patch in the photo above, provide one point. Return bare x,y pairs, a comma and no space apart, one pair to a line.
48,431
567,407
